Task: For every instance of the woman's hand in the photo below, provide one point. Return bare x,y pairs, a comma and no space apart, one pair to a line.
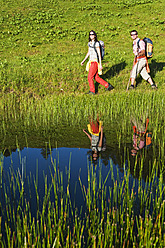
101,67
87,55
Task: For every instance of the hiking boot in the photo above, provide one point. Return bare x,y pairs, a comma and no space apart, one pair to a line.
153,86
90,93
131,87
110,87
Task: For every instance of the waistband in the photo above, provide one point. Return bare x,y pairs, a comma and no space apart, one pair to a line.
141,57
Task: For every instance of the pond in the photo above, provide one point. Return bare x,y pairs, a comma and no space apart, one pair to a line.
39,158
38,173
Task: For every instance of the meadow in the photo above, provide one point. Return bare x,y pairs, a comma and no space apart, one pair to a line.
43,43
42,97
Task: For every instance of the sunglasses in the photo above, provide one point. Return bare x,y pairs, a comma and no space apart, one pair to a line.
133,34
92,34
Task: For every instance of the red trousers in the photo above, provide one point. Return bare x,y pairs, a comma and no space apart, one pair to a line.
93,74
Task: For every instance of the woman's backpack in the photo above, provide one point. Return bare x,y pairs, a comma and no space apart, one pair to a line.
102,50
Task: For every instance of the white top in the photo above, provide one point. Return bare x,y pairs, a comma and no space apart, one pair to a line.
137,49
92,53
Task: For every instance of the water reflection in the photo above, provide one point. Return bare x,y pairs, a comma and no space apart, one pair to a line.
97,144
96,137
45,152
141,137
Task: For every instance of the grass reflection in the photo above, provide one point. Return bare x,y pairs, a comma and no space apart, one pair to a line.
117,210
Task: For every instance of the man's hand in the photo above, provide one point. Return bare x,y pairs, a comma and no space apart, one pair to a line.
142,53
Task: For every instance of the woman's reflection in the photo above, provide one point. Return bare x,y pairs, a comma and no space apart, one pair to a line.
97,137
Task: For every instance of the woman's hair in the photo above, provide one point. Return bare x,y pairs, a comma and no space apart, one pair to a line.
94,126
94,34
95,158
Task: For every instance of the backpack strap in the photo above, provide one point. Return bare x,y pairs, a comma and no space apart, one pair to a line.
138,45
96,51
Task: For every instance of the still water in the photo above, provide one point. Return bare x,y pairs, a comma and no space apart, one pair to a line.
30,161
74,154
39,162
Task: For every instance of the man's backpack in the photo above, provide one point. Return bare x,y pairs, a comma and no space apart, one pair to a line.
148,47
148,139
102,50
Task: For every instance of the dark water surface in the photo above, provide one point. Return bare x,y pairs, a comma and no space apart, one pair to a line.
70,151
30,161
37,161
33,160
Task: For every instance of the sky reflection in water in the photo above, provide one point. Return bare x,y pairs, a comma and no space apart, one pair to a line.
77,158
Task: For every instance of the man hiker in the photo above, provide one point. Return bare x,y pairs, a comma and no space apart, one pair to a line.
141,138
140,63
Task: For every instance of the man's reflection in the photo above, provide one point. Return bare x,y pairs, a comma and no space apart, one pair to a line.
97,137
141,138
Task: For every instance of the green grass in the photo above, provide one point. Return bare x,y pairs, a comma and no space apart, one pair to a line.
74,110
44,42
62,118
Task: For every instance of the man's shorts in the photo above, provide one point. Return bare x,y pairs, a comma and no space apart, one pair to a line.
140,67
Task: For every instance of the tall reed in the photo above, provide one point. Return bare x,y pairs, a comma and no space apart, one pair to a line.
118,211
71,110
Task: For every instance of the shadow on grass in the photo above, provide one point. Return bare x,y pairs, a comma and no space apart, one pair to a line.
154,68
114,70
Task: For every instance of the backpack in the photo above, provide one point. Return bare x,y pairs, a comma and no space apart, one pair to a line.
148,47
102,50
148,139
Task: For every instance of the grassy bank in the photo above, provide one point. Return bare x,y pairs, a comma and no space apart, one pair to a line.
43,43
55,119
73,110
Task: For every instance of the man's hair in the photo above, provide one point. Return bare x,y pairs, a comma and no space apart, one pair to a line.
134,31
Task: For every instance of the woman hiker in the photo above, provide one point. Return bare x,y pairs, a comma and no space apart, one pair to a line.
96,136
94,65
